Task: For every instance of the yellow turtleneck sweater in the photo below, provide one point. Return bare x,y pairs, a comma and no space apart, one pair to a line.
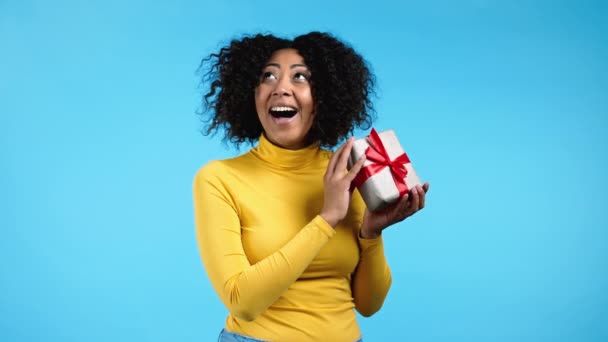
281,270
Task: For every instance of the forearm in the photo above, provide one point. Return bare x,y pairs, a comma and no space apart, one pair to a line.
247,289
372,279
251,289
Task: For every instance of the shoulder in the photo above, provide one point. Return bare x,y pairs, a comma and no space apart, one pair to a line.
215,170
211,169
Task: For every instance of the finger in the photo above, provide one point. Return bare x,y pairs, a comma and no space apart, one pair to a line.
401,211
426,187
343,159
422,196
356,168
415,201
334,158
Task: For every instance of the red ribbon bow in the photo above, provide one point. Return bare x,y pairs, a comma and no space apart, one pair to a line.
377,154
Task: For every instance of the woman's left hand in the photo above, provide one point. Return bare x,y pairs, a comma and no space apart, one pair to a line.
375,222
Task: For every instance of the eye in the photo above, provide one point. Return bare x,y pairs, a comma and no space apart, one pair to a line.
268,76
300,76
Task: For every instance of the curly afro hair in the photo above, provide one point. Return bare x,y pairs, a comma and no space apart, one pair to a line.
341,83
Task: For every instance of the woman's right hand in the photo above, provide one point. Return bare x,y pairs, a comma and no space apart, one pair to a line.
337,184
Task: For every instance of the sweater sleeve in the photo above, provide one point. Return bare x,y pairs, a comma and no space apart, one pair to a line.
372,278
247,290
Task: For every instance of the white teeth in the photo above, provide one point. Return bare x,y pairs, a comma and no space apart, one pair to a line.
282,109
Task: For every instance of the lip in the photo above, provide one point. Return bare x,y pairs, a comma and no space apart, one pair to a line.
283,104
283,121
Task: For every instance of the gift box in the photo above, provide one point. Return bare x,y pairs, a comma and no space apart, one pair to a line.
387,174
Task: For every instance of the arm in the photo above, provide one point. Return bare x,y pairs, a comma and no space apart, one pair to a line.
247,290
372,278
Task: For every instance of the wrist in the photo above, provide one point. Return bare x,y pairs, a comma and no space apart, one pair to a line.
367,234
330,219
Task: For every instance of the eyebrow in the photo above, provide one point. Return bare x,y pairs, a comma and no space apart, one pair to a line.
291,67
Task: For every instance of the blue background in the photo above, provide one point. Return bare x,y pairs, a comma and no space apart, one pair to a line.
501,105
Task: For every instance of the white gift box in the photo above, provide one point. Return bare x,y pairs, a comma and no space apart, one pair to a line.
381,189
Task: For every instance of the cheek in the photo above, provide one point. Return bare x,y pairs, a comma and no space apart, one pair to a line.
258,97
308,101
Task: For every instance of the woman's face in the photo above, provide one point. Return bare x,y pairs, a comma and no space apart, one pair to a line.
283,99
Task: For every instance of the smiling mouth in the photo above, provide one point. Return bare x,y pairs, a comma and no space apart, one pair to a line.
283,112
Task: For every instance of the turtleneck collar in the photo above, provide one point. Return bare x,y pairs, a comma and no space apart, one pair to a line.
285,158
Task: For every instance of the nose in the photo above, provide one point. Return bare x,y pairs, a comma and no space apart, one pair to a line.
282,87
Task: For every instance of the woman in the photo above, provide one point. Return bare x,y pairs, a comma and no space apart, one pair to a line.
287,244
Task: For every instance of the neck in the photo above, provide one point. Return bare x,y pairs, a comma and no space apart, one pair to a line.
288,158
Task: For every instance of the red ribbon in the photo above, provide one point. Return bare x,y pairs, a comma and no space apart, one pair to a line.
377,154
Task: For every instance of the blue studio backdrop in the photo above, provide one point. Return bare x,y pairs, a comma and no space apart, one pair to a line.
501,105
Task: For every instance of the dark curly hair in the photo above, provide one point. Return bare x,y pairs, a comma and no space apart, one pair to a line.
341,83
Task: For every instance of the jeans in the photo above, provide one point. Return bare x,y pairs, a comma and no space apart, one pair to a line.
226,336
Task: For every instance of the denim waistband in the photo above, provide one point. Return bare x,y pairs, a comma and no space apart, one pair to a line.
227,336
